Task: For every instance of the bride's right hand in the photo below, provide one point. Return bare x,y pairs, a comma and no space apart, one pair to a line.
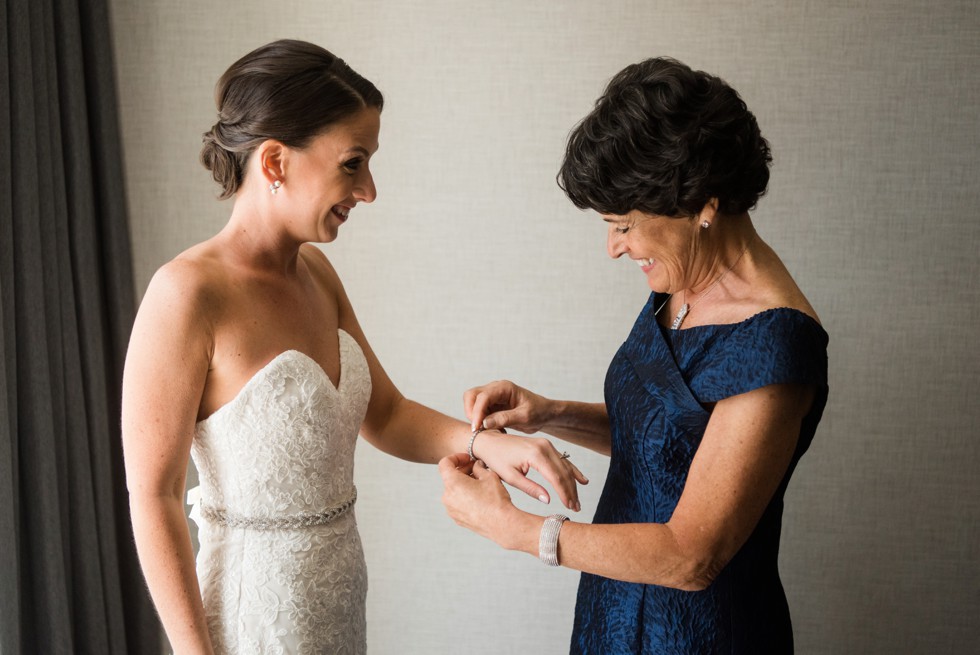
503,404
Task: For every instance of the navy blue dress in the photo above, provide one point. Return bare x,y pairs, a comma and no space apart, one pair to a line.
655,390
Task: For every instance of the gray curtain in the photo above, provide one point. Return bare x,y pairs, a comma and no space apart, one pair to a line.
69,579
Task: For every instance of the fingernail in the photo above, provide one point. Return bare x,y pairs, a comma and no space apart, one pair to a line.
578,506
487,424
543,498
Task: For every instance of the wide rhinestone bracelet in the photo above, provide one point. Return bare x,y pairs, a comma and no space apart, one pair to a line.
548,543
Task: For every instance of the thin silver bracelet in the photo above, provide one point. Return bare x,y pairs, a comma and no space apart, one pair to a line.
469,448
548,544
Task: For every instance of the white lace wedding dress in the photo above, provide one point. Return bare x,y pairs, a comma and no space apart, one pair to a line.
280,567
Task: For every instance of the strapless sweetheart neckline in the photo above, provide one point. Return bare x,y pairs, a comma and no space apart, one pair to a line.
276,361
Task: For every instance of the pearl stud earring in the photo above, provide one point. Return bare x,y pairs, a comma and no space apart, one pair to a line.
704,224
274,187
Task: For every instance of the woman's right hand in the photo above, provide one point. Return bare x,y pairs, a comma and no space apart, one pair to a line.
503,404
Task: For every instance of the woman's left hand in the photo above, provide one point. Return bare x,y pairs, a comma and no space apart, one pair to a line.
511,458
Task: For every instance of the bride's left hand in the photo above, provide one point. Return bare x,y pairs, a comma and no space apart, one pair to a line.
511,457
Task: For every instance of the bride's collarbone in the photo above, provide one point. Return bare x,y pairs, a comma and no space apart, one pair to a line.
294,307
253,330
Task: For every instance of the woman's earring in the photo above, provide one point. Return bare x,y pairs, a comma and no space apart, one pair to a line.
704,224
274,187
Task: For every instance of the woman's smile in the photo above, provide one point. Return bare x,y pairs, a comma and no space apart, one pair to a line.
645,264
340,212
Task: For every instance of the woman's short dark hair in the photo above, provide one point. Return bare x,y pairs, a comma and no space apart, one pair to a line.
664,139
287,90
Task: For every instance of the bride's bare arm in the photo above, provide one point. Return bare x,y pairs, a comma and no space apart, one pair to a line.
166,368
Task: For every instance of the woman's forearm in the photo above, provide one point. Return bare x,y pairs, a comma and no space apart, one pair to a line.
164,547
646,553
583,424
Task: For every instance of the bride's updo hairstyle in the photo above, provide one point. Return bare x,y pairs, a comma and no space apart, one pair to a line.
665,140
290,91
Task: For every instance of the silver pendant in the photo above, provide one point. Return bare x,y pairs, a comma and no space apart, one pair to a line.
681,315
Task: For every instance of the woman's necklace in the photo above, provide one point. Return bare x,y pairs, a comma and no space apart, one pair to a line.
686,309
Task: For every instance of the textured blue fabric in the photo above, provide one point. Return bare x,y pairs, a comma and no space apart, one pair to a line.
656,389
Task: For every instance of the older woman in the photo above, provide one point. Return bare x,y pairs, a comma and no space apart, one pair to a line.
709,404
247,353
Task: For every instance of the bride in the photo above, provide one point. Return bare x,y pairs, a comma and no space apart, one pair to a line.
247,355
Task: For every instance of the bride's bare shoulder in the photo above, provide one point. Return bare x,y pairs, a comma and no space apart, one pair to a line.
177,314
193,281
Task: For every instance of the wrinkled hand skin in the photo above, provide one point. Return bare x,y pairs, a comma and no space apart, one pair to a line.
475,498
503,404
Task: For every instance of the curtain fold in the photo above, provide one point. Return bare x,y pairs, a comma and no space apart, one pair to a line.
69,578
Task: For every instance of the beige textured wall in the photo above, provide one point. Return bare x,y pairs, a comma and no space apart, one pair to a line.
472,266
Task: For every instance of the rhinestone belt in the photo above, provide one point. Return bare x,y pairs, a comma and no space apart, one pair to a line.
231,520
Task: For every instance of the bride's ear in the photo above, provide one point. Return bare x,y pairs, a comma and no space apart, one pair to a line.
272,156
